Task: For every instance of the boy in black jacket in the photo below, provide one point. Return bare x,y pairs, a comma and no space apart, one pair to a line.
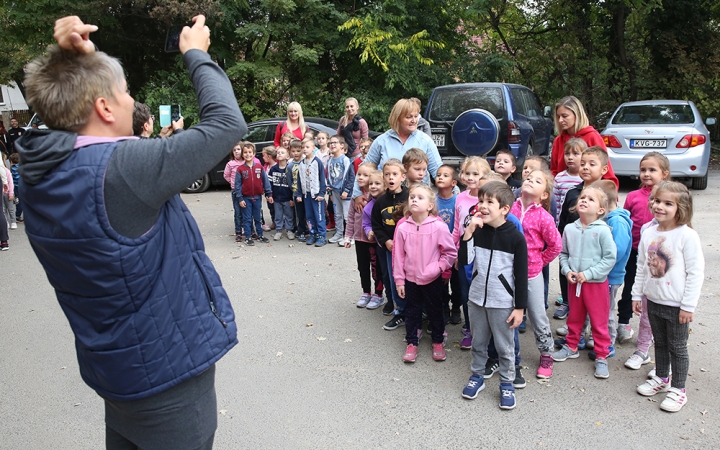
498,291
383,225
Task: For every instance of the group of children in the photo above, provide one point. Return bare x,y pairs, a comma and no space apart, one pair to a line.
492,245
486,251
11,207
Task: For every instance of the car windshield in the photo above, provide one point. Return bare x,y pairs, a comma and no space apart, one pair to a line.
447,104
654,114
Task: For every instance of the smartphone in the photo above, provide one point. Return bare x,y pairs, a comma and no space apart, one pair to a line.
175,113
165,118
172,40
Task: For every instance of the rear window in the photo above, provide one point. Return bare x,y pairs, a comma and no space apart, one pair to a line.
447,104
654,114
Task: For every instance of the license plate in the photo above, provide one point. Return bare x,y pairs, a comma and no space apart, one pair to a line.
439,140
648,143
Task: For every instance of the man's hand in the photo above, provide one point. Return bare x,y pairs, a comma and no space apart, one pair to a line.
195,37
73,35
178,124
168,130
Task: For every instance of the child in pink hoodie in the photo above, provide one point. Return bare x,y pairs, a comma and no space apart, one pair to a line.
423,249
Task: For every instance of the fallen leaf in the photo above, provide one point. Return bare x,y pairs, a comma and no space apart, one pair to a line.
702,430
278,354
582,390
63,368
259,317
703,370
223,411
598,423
77,404
321,338
309,324
348,340
703,412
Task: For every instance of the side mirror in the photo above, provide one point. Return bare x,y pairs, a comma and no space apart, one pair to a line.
547,111
710,121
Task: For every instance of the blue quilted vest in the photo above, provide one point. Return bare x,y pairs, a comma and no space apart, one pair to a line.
147,313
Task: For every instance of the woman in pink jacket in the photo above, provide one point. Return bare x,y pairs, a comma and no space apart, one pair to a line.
422,250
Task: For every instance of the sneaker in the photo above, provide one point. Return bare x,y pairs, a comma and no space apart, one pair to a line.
330,226
13,226
561,312
410,353
341,242
590,342
249,242
266,227
239,237
581,344
438,352
637,359
310,240
466,342
320,241
507,396
653,386
560,342
364,300
388,309
519,381
474,386
611,352
263,239
455,317
523,325
393,323
564,353
546,367
290,235
277,236
336,237
375,301
562,331
559,301
491,366
653,372
601,368
302,238
352,242
674,401
624,333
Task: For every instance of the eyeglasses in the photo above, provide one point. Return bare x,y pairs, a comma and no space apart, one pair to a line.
152,116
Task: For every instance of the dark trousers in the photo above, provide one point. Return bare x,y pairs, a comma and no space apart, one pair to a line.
624,305
546,282
367,264
300,221
18,205
563,288
670,342
237,210
3,223
429,298
182,417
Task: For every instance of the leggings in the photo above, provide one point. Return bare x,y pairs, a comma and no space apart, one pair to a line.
367,264
670,342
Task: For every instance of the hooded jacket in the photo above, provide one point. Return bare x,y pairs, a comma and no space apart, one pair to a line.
590,250
591,137
544,242
636,203
619,222
422,252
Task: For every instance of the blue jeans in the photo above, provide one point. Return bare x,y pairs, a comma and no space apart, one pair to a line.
385,255
238,212
283,216
315,215
252,213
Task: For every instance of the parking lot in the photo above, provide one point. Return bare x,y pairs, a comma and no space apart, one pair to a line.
313,371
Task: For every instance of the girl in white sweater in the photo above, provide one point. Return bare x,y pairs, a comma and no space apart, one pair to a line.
670,274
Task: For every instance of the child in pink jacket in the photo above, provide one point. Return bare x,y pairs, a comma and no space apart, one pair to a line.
423,249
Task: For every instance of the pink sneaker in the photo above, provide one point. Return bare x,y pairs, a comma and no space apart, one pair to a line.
438,352
466,343
410,353
546,366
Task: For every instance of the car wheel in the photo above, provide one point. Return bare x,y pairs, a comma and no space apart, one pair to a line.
199,185
700,183
475,132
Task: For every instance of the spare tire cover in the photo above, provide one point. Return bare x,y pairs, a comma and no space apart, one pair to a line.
475,132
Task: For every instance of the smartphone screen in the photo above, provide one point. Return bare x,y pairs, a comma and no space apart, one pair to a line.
175,113
172,40
165,115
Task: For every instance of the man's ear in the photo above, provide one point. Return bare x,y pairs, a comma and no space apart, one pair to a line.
104,110
147,127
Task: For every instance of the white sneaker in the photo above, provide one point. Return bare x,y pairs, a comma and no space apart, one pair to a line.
335,238
341,242
562,331
352,242
290,235
652,372
653,386
13,226
624,333
674,401
277,236
636,360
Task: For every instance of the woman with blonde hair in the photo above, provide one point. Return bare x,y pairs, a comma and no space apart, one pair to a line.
352,127
571,121
295,123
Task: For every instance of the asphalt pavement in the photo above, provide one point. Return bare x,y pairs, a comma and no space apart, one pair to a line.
313,371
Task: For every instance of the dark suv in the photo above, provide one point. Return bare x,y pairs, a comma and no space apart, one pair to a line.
478,119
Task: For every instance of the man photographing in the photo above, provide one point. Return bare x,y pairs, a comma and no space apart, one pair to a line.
118,245
143,123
